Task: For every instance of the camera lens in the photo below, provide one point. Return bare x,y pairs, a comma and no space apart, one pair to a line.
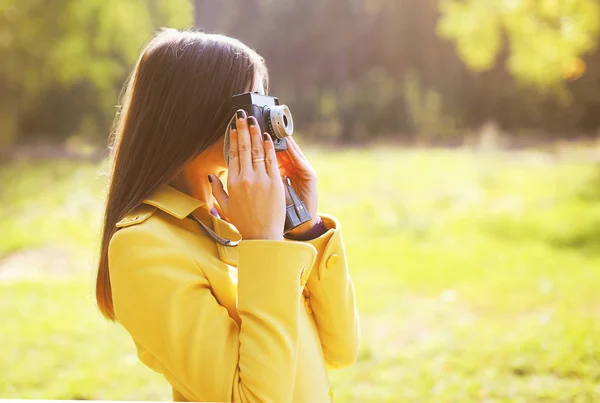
281,121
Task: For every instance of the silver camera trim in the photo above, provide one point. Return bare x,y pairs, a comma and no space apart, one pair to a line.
278,114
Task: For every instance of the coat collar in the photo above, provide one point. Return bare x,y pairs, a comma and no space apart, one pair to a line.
180,205
174,202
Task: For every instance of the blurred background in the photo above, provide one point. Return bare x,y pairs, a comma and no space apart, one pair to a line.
457,142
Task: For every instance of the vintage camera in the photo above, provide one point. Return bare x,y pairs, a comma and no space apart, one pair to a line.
272,117
276,120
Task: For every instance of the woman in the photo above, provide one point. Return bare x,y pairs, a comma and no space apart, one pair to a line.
258,321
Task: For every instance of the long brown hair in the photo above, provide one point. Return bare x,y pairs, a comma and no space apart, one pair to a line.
174,106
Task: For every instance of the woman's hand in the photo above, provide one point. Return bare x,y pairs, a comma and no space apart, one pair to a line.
256,200
293,164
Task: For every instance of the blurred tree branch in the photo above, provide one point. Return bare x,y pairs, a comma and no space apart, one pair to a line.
63,43
351,70
547,38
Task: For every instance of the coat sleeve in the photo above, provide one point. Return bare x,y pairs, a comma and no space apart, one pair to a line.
331,296
164,301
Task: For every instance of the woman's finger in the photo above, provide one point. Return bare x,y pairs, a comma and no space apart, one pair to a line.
297,148
244,144
219,193
270,157
284,171
283,160
258,150
234,156
222,214
298,159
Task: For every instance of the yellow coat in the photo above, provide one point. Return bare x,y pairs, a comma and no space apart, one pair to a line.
260,322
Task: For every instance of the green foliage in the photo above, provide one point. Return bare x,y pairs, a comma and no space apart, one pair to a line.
67,42
546,38
476,278
344,67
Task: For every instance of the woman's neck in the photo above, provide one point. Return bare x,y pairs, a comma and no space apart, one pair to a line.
195,185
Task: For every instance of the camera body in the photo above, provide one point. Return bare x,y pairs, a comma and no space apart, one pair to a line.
273,118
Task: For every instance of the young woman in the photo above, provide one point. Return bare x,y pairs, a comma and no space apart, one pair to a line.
259,319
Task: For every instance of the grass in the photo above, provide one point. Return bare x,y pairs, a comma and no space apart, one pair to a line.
476,277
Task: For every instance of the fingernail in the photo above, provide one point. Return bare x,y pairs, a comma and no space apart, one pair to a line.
241,114
232,126
251,121
209,179
266,137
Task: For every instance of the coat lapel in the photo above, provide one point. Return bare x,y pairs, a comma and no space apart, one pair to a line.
180,205
227,254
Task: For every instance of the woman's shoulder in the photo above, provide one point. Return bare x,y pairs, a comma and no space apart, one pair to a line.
140,214
141,222
148,238
147,230
146,227
148,218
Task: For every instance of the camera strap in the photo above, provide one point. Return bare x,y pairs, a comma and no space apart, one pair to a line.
296,212
220,240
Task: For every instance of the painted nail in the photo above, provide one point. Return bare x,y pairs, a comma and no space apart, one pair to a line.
241,114
209,179
251,121
232,126
266,136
